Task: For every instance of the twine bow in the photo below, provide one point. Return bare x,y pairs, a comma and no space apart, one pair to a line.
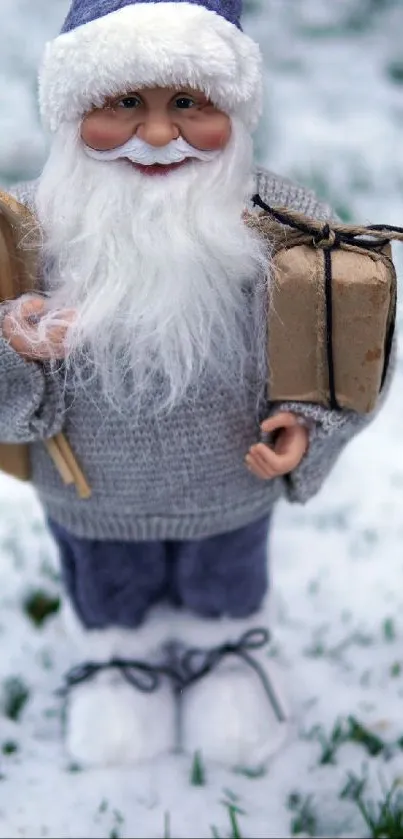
145,677
189,668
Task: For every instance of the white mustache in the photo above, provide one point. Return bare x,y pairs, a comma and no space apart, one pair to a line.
137,151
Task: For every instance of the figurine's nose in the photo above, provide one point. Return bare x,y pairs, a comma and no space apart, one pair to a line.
157,131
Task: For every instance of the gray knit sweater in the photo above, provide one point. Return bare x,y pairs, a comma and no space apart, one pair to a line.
182,477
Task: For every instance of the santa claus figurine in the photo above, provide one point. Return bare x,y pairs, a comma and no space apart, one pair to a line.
147,348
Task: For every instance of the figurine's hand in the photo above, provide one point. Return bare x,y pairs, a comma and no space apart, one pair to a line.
290,446
20,328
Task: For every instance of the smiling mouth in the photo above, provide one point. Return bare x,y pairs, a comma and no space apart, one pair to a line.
159,168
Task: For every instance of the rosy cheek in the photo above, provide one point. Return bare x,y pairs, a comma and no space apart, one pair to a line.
215,139
208,137
102,133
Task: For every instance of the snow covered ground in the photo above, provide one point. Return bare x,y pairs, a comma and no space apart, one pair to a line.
334,118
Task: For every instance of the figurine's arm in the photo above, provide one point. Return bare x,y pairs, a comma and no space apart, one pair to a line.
329,433
32,401
304,442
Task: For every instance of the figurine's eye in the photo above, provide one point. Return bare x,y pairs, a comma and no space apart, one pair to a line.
185,102
129,102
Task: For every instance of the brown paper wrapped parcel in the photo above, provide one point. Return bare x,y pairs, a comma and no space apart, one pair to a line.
364,310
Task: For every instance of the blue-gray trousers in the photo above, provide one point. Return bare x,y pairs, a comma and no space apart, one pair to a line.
115,583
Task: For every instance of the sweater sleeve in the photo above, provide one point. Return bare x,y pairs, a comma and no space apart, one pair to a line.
329,433
31,399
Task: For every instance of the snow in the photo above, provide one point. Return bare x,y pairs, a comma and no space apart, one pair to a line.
333,119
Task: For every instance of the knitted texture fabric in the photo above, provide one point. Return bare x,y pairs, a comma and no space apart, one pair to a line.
83,11
182,477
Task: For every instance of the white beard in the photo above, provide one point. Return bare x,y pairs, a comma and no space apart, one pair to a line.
153,266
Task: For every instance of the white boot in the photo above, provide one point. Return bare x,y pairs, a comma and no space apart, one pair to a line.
111,723
108,721
228,715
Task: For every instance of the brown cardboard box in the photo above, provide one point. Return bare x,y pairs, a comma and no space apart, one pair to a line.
364,303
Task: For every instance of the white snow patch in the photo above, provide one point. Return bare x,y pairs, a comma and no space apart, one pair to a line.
333,117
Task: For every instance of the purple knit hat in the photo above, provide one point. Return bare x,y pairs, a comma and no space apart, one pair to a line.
83,11
109,46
